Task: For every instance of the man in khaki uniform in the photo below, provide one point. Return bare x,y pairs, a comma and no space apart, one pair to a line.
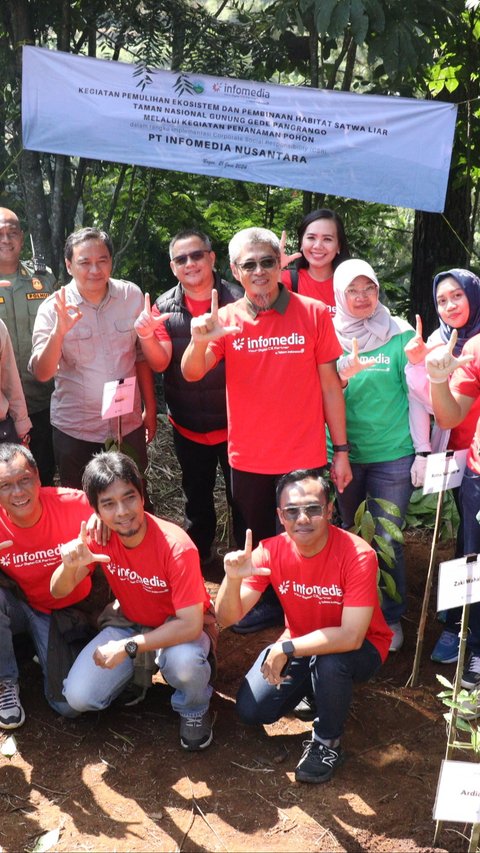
23,287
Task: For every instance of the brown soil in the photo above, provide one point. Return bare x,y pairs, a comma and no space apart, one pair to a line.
118,780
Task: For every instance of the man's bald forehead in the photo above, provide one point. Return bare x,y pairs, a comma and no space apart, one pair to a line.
8,217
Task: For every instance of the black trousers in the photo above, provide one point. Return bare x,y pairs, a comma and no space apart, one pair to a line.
199,463
41,446
73,454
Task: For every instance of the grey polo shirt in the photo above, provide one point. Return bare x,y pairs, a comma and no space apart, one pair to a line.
102,346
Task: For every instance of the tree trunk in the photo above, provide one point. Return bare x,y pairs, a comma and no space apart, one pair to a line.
437,247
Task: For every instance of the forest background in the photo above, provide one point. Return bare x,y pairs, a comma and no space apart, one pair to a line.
414,48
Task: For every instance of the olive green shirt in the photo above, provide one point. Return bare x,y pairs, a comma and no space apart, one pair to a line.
19,304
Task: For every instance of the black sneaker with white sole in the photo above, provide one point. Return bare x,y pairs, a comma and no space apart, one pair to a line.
471,672
12,714
318,762
196,732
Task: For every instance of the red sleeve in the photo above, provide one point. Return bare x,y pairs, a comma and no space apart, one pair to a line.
327,345
466,379
286,279
161,332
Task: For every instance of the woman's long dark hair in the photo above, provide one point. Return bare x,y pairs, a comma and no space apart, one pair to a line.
323,213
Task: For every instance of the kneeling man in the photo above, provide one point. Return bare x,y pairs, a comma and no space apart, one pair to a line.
153,569
335,634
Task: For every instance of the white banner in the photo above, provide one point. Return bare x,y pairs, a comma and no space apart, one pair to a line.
385,149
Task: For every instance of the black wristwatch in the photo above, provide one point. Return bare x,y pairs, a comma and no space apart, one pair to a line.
341,448
131,648
288,649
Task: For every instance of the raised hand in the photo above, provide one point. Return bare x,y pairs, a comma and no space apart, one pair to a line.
207,327
76,553
285,259
441,362
416,349
238,564
349,365
67,314
146,322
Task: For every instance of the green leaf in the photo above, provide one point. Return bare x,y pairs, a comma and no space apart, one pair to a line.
385,547
358,515
340,18
390,586
391,529
46,841
323,14
359,21
367,527
388,506
444,681
463,725
9,746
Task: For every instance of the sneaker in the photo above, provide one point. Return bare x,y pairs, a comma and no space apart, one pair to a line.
471,672
397,639
263,615
306,709
196,732
12,714
318,762
446,648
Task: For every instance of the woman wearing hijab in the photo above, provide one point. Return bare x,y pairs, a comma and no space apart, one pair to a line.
456,295
378,412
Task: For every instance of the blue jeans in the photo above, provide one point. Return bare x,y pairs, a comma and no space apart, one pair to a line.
185,667
330,677
470,503
390,481
17,617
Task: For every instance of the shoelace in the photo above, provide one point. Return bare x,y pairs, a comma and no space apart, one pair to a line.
474,663
8,696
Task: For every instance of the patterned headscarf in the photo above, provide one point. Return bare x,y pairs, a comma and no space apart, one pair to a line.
470,284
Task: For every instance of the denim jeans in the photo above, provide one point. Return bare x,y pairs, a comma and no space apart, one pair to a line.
329,677
18,617
470,502
390,481
89,687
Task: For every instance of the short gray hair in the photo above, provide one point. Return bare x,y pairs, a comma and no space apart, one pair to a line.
252,235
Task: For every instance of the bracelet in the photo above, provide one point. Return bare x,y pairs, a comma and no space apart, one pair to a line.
422,453
341,448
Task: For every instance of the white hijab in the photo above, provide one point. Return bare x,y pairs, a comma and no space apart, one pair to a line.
371,332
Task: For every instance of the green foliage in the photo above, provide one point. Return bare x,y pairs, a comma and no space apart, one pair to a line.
364,525
463,703
422,509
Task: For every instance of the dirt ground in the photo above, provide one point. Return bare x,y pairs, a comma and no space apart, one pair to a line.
119,781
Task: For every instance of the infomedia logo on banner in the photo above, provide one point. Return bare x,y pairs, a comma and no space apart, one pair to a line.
385,149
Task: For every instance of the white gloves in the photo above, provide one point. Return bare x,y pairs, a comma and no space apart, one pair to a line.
417,471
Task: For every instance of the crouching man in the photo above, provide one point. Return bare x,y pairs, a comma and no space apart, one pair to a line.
335,635
153,569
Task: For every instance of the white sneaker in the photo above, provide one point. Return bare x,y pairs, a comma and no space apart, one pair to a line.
397,639
12,714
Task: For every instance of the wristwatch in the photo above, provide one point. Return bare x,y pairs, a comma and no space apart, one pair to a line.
131,648
288,649
341,448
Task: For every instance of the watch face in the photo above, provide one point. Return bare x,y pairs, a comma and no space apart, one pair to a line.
131,648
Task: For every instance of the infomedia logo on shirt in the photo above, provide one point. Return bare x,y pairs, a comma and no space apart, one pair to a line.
280,344
153,584
332,594
45,556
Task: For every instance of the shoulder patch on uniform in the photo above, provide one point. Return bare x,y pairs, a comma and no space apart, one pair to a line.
2,300
37,284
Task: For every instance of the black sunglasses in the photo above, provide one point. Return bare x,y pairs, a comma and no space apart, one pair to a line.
265,263
197,255
292,512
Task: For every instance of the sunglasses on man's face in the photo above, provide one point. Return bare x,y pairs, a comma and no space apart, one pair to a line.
197,255
291,513
264,263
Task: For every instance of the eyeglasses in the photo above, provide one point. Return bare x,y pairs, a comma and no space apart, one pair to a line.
197,255
264,263
358,294
292,512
